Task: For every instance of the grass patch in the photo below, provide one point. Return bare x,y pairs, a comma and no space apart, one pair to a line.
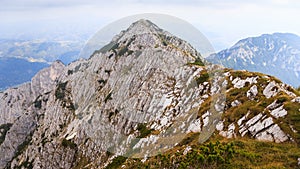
116,163
242,74
220,153
293,119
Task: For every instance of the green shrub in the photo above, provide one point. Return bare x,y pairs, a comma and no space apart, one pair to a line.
144,131
4,128
70,72
198,62
282,99
38,104
204,77
68,143
60,90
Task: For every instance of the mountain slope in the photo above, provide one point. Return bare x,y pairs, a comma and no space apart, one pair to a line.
145,93
277,54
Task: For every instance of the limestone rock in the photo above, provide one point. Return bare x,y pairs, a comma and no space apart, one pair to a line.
252,92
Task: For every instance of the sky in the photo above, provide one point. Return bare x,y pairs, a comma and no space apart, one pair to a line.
223,22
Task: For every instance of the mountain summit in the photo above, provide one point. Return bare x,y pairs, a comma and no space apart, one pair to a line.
146,95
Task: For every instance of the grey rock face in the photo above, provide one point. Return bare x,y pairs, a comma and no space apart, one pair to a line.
19,107
141,77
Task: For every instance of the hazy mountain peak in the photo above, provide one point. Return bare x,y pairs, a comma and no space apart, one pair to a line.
143,35
143,26
276,54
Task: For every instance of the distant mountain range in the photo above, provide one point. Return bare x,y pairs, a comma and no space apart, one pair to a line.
20,60
277,54
41,50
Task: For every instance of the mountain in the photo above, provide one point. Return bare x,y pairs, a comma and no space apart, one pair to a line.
148,100
277,54
40,50
15,71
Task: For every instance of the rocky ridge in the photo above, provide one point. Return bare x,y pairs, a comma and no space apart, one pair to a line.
141,94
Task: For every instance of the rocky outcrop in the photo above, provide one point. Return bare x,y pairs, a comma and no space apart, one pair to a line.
264,116
19,107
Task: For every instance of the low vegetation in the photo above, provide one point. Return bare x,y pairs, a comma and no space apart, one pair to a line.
68,143
204,77
3,130
60,90
197,61
116,163
144,131
221,153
